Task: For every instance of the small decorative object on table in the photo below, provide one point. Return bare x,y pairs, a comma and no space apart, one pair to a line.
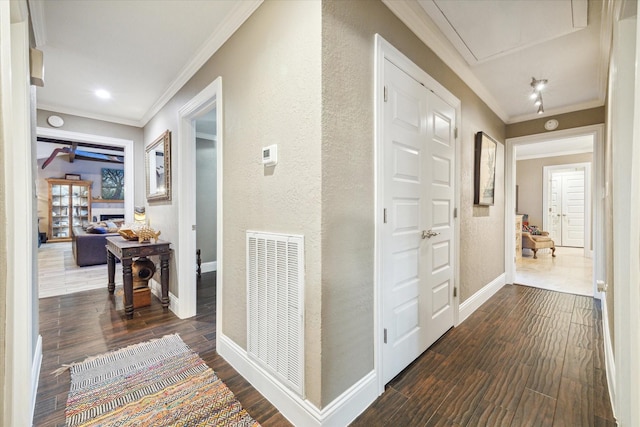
128,234
141,233
146,233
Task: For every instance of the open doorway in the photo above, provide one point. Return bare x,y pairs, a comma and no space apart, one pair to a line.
69,184
207,102
206,194
553,175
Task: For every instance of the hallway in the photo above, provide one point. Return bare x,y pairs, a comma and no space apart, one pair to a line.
527,357
75,326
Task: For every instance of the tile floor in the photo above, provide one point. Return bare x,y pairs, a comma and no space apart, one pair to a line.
568,272
58,273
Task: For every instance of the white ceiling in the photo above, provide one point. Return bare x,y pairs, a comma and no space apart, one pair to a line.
497,46
143,51
514,24
139,50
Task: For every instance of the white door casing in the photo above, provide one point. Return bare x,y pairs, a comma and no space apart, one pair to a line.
206,100
596,210
418,232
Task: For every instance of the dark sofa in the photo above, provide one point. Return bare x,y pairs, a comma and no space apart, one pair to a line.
88,248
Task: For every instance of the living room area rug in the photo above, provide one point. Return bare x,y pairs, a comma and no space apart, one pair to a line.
155,383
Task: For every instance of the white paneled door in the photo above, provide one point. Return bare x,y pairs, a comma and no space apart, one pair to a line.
567,207
418,233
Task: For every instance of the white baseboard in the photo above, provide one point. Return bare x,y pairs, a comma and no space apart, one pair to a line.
35,374
174,301
341,411
207,267
476,300
609,360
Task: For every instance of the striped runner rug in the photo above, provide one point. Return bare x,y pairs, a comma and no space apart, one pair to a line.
156,383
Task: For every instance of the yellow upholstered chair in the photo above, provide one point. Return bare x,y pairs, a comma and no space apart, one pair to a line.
538,241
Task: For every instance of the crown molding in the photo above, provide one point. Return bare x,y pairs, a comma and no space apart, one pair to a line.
231,23
81,113
19,11
414,17
556,111
236,18
36,7
607,17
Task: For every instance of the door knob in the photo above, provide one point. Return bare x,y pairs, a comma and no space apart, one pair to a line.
427,234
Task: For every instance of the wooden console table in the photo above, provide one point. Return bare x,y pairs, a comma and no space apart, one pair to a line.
125,251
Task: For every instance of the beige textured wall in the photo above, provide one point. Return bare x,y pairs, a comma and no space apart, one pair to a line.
271,86
348,29
592,116
529,174
271,76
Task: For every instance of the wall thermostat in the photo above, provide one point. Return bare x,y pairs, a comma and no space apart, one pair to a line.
270,155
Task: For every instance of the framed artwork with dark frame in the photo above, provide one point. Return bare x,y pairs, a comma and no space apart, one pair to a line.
112,184
72,176
485,170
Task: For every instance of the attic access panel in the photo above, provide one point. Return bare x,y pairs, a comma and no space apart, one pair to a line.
484,30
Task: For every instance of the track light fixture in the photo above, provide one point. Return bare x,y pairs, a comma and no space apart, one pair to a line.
536,93
538,100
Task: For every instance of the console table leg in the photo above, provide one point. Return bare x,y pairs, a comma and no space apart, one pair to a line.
127,279
111,271
164,270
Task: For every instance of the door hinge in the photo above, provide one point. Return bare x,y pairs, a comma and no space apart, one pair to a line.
455,132
385,335
455,212
386,96
384,215
455,291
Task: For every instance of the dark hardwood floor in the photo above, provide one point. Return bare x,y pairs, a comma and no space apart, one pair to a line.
527,357
83,324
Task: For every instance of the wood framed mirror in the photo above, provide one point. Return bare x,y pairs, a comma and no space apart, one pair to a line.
158,167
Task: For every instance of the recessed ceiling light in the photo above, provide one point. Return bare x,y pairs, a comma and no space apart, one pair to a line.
101,93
